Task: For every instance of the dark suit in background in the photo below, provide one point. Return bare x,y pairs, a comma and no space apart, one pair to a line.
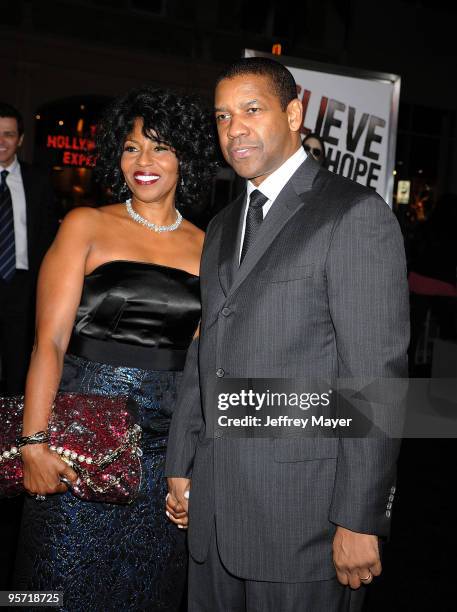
17,297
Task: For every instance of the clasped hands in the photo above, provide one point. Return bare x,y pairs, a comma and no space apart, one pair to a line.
355,555
177,501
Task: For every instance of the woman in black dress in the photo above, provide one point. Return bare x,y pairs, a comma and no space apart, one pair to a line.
118,306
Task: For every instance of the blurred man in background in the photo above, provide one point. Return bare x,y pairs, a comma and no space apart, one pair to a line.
28,223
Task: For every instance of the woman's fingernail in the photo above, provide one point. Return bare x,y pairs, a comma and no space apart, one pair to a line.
180,526
186,494
168,495
167,513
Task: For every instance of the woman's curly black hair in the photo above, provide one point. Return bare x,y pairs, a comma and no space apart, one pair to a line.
179,121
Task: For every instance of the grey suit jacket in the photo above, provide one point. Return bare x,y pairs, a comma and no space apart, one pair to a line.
321,293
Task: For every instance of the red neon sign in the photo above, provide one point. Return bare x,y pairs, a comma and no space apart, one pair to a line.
76,150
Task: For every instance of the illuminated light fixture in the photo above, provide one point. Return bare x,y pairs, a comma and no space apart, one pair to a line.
82,107
37,116
394,172
80,125
276,49
403,192
61,122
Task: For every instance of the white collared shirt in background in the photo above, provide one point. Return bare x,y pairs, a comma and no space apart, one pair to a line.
16,187
272,186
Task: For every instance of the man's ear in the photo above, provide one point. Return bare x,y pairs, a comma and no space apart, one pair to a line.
21,138
295,114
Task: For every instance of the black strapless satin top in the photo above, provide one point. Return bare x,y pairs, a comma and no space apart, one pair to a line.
137,314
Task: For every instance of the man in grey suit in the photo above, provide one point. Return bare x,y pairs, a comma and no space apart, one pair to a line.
302,276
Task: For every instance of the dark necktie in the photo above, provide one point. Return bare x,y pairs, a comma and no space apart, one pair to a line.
254,218
7,242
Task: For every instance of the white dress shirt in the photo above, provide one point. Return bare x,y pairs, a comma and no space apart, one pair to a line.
272,186
16,187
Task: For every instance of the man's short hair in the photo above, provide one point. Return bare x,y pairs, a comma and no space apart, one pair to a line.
7,110
283,82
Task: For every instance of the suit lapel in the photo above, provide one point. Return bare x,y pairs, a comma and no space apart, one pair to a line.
291,199
230,242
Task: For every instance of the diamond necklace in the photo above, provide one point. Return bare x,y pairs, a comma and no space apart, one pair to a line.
152,226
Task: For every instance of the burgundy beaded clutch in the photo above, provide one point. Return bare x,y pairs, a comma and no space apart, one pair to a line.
95,435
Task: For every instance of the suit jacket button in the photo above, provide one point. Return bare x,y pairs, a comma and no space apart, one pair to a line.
392,490
389,505
391,498
220,373
226,312
388,513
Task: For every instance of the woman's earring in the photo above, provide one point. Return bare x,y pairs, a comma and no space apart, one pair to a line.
181,183
125,191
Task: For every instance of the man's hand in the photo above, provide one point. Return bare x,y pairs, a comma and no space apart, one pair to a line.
356,557
177,503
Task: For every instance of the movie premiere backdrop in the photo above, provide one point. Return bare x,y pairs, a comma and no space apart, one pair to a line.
355,113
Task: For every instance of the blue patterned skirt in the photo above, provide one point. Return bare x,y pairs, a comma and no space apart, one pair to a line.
107,557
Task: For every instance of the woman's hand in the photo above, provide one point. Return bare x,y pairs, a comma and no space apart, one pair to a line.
43,470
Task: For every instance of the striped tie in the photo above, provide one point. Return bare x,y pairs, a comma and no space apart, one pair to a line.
7,242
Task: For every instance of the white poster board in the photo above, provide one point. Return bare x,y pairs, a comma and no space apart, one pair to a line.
355,113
